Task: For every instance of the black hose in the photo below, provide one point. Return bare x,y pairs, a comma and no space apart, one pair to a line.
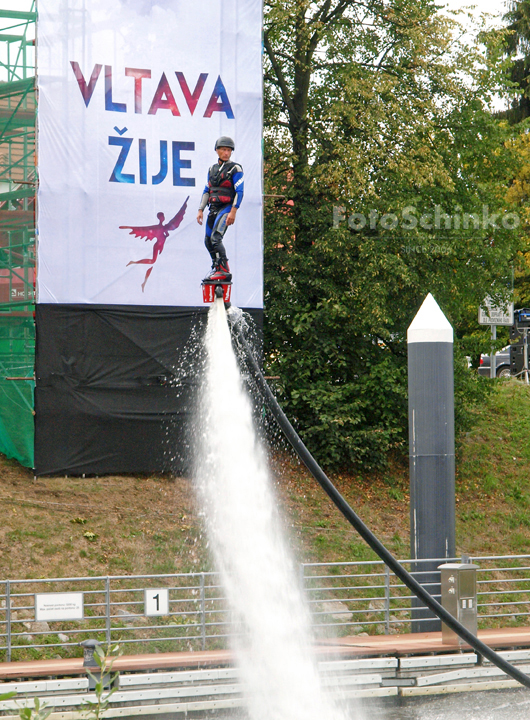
363,530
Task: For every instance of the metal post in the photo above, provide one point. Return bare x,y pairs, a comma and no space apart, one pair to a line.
107,610
203,613
525,354
387,600
8,620
493,364
24,55
431,450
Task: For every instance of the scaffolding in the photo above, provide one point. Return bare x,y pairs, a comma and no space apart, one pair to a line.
18,181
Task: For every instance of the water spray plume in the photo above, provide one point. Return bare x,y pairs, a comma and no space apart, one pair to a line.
272,638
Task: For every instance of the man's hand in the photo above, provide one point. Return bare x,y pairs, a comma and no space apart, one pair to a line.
230,220
200,215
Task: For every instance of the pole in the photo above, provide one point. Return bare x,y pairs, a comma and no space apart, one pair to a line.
431,451
107,611
525,354
493,364
8,620
203,613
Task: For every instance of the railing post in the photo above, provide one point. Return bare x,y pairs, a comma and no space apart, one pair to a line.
387,600
203,613
107,610
8,620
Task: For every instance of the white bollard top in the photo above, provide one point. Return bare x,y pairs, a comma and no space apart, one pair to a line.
430,324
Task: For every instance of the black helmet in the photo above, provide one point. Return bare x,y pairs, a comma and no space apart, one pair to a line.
224,141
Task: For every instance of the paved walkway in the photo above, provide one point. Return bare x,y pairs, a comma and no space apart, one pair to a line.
346,647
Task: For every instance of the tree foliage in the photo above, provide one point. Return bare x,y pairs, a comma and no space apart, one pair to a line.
518,48
376,125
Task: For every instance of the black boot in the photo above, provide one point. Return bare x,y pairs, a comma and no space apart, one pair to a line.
212,271
220,273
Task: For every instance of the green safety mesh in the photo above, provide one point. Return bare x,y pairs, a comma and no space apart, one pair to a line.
17,231
16,423
17,359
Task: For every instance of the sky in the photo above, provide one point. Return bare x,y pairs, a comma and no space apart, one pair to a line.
494,7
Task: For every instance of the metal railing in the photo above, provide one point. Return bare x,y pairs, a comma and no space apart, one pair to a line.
344,599
349,598
114,612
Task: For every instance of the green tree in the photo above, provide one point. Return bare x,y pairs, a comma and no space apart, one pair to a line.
518,48
376,124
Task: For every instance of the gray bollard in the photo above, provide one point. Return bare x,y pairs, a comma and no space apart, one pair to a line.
431,451
93,670
89,662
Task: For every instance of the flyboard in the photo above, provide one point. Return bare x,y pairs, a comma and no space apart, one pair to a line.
216,289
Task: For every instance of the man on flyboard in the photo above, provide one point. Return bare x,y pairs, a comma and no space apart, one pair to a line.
223,192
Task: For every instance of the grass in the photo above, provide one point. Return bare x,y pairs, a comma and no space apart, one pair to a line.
129,525
493,479
60,527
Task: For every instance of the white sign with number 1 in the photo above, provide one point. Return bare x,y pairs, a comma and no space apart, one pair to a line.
156,601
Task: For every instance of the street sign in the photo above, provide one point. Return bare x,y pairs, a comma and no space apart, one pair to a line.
156,602
495,314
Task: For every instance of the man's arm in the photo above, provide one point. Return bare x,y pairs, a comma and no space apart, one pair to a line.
239,187
203,204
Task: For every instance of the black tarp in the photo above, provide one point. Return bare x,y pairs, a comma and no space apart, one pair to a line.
115,387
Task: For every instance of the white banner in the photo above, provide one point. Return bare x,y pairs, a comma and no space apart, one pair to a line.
132,96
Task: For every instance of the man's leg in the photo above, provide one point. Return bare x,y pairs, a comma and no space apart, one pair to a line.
218,232
214,243
210,221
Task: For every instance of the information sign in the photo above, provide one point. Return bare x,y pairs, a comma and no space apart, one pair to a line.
495,314
59,606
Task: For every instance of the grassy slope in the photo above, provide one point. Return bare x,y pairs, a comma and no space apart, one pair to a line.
492,492
493,479
150,524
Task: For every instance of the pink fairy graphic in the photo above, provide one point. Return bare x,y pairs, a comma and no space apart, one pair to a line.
159,232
